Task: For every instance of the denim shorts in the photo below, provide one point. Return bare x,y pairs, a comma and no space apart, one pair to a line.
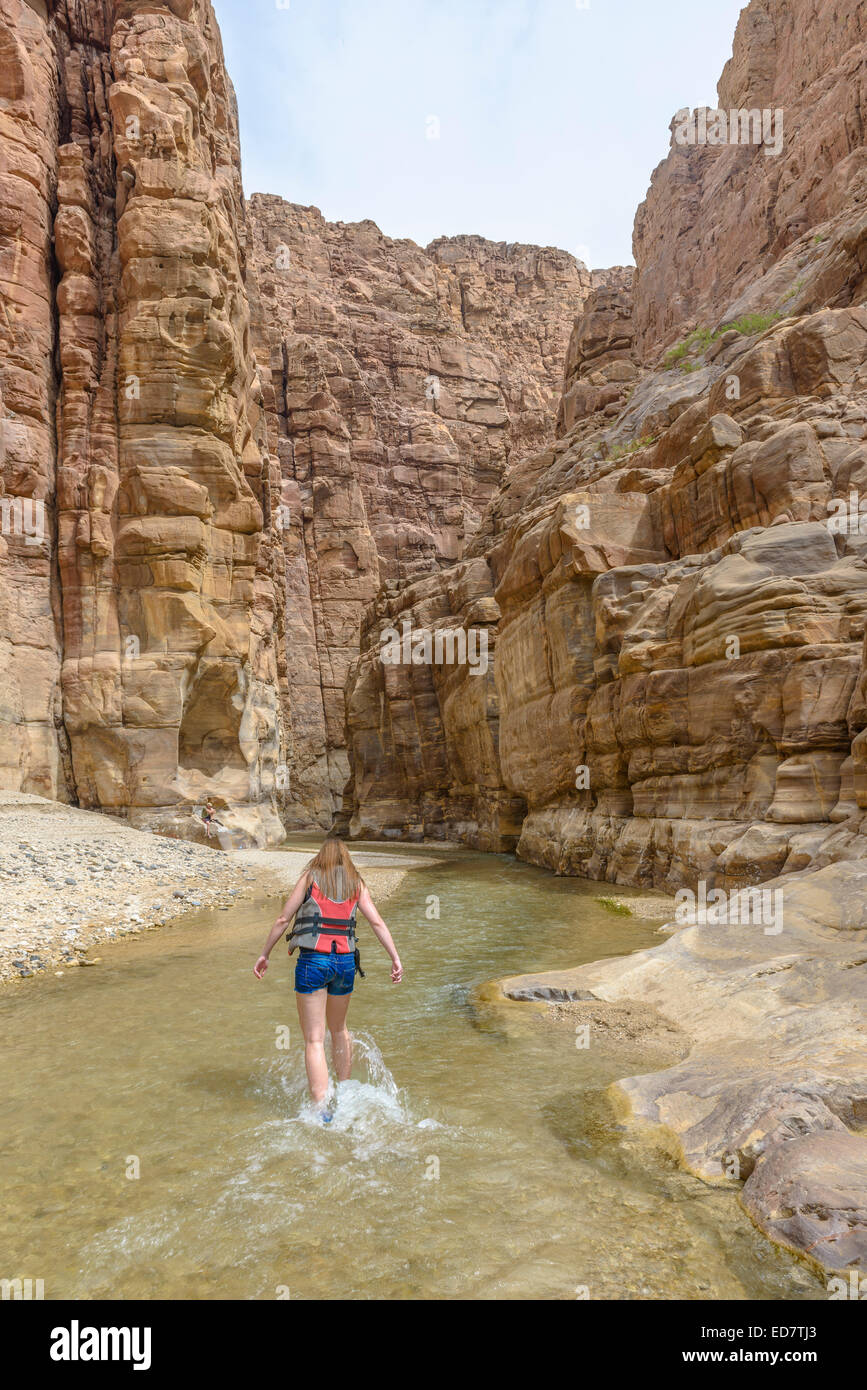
320,969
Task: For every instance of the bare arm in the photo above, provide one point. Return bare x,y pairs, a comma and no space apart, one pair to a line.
382,934
293,902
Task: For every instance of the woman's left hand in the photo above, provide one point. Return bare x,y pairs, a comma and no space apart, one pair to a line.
260,967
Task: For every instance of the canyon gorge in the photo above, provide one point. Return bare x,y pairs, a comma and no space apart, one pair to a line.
249,442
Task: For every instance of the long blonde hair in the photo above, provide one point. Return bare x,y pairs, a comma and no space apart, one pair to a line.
334,872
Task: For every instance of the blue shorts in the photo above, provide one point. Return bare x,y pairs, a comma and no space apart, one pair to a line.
324,969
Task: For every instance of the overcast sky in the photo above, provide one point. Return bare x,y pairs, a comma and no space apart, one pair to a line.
521,120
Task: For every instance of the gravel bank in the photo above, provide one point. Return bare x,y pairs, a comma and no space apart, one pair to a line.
73,881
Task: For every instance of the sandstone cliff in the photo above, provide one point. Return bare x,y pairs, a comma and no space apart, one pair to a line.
675,687
140,656
398,384
221,433
728,229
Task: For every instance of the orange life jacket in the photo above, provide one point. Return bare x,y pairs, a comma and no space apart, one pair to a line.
324,925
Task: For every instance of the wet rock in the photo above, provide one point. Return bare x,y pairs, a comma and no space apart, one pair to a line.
552,993
810,1194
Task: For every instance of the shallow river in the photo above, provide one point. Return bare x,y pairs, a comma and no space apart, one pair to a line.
157,1142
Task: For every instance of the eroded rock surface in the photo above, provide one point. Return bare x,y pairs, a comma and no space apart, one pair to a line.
398,384
139,631
677,576
773,1092
736,228
223,428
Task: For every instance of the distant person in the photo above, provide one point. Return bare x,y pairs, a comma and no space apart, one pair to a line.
208,817
324,902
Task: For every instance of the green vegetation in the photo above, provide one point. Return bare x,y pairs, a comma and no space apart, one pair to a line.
749,324
615,905
697,340
622,451
700,339
790,294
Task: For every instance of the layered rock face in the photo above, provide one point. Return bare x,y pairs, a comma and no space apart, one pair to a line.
717,702
735,228
676,683
140,633
221,434
425,733
398,384
234,450
31,747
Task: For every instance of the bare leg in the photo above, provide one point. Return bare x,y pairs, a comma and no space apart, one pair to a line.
341,1040
311,1012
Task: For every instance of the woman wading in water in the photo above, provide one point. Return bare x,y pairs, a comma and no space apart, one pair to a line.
324,902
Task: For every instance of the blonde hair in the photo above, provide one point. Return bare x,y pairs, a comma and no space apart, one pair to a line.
334,872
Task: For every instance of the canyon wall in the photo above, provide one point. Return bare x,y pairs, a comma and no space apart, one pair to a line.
33,752
675,683
242,445
724,227
398,384
224,429
140,627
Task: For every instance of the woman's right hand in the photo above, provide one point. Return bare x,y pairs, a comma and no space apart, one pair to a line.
396,971
260,967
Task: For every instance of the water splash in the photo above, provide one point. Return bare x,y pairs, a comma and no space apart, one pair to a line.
366,1106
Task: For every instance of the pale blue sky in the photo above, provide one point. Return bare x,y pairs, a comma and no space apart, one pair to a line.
551,116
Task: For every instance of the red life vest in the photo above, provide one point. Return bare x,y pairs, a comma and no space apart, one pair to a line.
324,925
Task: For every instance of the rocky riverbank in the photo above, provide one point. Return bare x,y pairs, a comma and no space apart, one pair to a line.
74,881
772,1093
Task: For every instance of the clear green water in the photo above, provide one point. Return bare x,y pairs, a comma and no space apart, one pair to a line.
472,1155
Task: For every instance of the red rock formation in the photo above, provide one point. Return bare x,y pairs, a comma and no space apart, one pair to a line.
238,462
728,230
122,117
398,384
31,749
